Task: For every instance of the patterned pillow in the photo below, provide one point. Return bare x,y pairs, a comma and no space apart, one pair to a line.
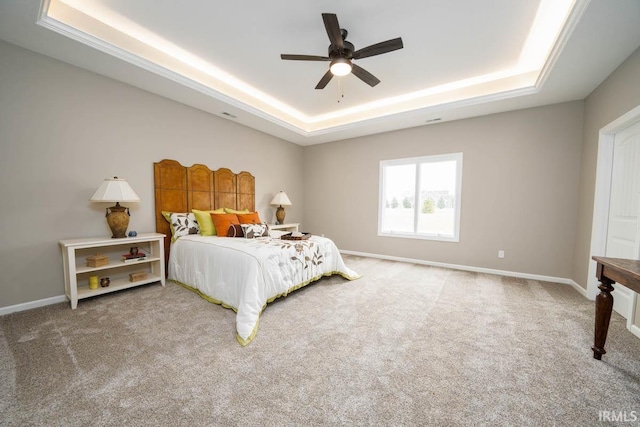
235,230
251,231
181,224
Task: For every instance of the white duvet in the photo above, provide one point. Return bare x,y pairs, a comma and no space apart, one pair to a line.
246,274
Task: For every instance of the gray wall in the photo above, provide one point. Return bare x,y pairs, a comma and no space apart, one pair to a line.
519,184
619,93
63,130
528,179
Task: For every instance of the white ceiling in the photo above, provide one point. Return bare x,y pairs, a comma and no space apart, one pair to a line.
225,57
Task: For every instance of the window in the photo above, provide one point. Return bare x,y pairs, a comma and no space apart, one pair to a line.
420,197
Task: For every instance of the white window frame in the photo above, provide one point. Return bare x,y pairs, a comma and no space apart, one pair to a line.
457,157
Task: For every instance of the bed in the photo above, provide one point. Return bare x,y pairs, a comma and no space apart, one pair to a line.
242,274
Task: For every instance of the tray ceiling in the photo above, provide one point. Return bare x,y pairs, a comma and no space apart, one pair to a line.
460,58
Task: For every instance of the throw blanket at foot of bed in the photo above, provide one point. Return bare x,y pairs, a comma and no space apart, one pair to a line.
246,274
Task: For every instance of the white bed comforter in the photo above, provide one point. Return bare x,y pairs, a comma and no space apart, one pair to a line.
246,274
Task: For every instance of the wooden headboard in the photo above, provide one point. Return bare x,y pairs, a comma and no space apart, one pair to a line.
180,189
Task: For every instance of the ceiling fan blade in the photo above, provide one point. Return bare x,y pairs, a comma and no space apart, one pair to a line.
325,80
378,48
333,30
364,75
304,57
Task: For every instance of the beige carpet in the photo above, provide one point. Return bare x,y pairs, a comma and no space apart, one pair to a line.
404,345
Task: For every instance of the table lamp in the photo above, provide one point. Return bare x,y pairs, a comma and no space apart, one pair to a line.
116,190
280,200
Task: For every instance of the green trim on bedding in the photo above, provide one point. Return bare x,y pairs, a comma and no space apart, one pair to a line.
244,342
204,296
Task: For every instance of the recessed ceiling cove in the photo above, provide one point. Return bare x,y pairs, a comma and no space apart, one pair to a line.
435,59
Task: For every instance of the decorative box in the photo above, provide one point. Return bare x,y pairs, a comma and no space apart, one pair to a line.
138,275
97,260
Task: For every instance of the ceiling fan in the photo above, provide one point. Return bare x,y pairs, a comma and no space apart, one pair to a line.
342,53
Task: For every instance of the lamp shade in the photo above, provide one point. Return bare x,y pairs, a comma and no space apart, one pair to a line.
280,199
115,190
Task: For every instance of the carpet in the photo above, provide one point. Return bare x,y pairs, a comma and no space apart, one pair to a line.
404,345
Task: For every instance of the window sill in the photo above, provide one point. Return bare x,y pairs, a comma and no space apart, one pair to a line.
453,239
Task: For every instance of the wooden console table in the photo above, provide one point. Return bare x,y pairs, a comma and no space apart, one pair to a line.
609,271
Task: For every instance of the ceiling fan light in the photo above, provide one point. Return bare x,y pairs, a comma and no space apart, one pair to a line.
340,67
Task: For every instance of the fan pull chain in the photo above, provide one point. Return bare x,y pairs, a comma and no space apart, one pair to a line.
340,90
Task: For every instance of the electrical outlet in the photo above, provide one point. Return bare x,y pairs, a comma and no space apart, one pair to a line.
500,254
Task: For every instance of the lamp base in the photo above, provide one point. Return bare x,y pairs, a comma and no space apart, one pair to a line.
118,220
280,215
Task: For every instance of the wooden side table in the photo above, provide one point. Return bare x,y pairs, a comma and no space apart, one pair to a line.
609,271
285,227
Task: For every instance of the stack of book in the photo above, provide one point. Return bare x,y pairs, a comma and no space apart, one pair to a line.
140,256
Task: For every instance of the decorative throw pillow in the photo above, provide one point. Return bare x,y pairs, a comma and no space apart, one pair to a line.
222,222
250,218
233,211
204,221
235,230
181,224
251,231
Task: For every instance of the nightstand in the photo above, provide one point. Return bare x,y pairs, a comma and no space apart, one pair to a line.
122,275
285,227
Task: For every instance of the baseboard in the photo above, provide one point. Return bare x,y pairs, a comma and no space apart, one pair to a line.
623,302
633,315
552,279
582,291
32,304
633,308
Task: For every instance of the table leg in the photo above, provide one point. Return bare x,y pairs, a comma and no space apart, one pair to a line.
604,305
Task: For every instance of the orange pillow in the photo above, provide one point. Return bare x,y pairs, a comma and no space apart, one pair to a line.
249,218
222,222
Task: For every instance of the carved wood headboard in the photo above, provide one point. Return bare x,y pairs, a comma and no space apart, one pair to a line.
180,189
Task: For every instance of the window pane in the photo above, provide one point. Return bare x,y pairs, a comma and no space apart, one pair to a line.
420,197
437,198
399,198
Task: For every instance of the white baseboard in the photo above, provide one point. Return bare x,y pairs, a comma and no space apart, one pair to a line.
578,288
552,279
623,301
582,291
635,329
32,304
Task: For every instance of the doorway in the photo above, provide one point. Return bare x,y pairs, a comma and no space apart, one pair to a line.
616,216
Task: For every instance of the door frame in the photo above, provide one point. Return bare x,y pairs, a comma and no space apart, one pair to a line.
601,208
